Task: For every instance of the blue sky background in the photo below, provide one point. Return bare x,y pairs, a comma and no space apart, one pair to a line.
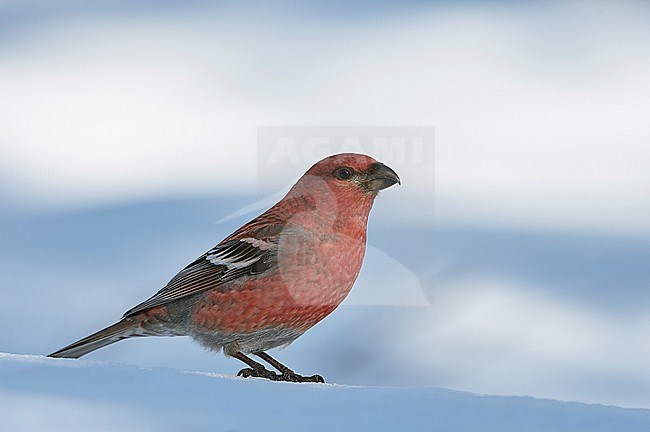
514,261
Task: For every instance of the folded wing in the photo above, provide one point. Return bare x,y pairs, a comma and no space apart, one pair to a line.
229,260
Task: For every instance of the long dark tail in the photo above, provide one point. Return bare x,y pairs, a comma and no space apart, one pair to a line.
125,328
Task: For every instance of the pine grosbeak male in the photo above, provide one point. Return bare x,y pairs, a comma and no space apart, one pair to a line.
272,279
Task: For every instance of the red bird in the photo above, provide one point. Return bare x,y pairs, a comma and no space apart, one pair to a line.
272,279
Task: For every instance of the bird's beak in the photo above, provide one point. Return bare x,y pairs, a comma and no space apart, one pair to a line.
379,177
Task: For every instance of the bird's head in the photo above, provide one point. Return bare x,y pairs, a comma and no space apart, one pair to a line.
351,173
338,192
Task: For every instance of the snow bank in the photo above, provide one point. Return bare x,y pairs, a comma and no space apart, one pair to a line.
38,393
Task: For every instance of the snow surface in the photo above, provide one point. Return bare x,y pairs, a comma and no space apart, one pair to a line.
507,312
38,393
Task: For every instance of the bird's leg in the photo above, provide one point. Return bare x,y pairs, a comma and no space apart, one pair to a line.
255,370
286,373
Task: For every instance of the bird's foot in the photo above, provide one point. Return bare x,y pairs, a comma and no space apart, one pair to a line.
288,376
258,373
291,376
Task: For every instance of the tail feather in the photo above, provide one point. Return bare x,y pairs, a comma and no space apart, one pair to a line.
126,328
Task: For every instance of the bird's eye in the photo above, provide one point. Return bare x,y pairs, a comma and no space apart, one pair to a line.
343,173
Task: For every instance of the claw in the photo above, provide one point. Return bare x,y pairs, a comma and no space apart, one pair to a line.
294,377
245,373
288,377
316,379
258,373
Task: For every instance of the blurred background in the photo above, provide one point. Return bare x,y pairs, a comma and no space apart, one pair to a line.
514,259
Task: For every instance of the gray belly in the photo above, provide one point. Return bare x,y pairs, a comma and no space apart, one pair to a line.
258,340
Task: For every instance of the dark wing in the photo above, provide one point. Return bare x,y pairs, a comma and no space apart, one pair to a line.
229,260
